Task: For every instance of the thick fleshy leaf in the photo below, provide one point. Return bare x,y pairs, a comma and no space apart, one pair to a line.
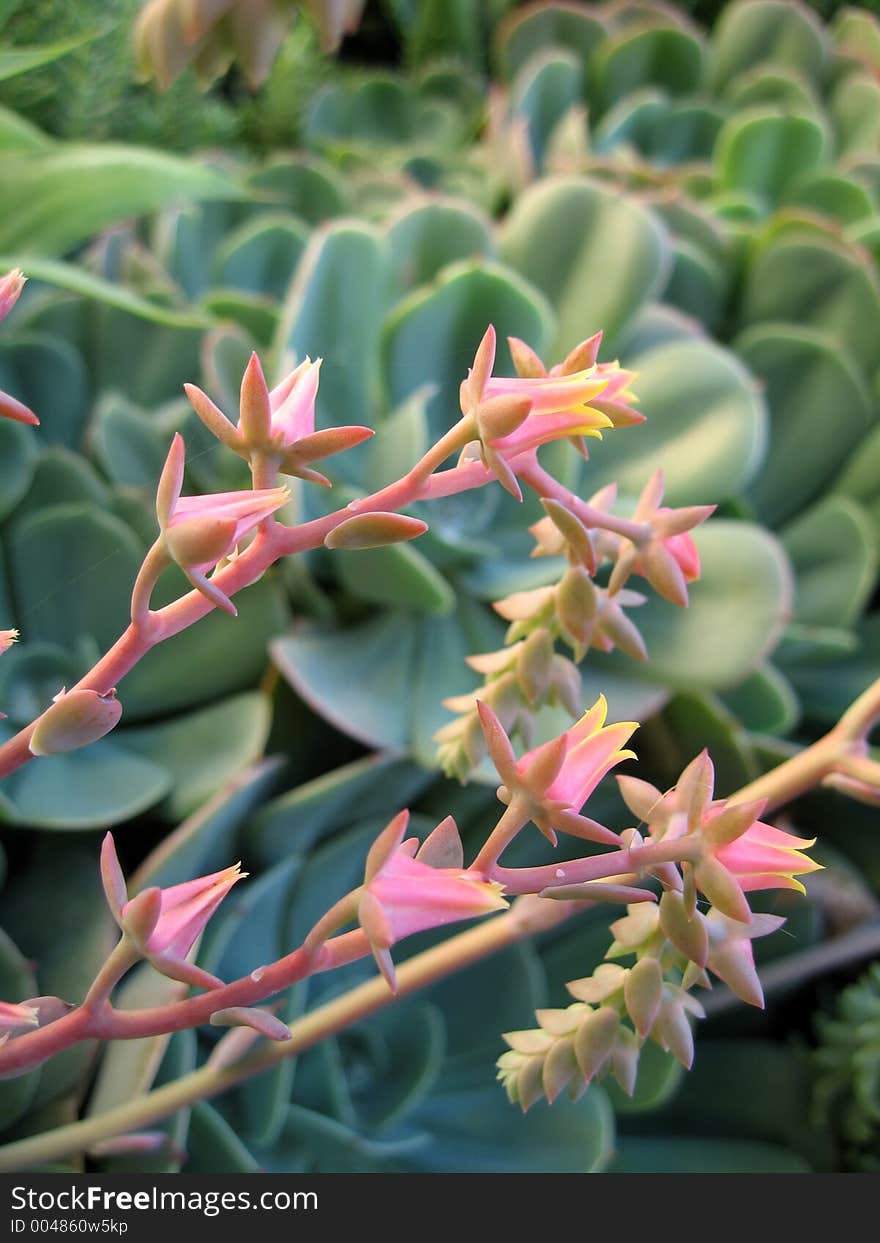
73,567
595,253
706,426
542,93
820,283
834,551
48,375
751,32
665,56
765,154
18,455
102,785
334,312
546,26
205,749
261,256
426,237
819,407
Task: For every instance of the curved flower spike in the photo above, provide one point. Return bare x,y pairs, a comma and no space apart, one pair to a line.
164,924
198,531
280,422
11,286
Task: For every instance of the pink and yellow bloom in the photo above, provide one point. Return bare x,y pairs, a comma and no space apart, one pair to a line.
164,924
556,779
279,423
765,857
11,286
403,895
7,638
199,531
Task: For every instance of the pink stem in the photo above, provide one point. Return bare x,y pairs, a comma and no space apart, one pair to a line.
597,867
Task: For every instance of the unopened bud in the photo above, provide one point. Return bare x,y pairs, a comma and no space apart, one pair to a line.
643,992
594,1040
74,720
375,530
534,665
687,933
246,1016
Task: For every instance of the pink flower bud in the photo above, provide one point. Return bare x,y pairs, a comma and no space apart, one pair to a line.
75,719
11,286
7,638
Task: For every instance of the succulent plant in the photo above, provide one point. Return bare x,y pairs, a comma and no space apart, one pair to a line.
718,216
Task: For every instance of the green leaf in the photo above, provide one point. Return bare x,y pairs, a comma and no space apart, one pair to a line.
570,1138
855,113
129,444
545,88
80,281
18,134
334,311
834,550
73,567
18,455
833,195
537,28
102,785
15,60
398,576
207,840
765,702
205,749
213,1147
261,256
219,656
752,32
48,375
816,282
666,56
424,238
819,407
306,187
706,426
323,806
828,683
860,477
382,682
57,915
431,336
50,202
765,154
596,254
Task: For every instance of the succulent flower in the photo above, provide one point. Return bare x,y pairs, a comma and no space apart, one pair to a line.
555,780
164,924
403,894
199,531
279,423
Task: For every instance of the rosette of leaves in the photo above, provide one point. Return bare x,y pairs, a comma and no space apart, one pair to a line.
845,1093
410,1089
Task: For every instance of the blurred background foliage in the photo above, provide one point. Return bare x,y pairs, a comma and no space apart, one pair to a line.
703,182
